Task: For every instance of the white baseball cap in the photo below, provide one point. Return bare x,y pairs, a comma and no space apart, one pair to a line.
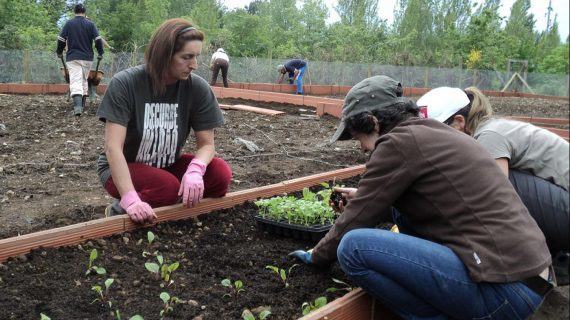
441,103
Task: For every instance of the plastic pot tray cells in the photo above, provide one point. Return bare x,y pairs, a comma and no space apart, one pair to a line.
308,218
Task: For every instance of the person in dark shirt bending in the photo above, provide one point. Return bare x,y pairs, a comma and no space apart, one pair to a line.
296,69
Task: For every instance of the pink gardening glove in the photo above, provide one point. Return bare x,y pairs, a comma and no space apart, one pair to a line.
192,184
138,211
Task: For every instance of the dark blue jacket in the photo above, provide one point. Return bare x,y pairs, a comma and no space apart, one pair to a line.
293,64
79,33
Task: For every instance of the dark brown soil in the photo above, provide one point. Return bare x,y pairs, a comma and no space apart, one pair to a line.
48,179
221,245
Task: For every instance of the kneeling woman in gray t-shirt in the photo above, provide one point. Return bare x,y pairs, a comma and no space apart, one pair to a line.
534,159
149,111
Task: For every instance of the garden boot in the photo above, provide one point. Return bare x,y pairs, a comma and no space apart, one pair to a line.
114,209
77,104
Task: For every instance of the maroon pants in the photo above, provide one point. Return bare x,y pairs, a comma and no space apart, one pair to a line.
159,187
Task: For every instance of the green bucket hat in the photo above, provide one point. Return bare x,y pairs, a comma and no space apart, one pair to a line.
373,93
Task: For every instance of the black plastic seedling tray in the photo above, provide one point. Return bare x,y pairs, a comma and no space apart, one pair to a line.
312,233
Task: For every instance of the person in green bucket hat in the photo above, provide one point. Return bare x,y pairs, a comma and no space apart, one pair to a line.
467,247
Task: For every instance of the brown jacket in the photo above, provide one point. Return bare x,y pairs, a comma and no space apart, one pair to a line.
452,192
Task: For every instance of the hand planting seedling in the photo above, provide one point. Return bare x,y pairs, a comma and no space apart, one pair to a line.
168,303
309,307
248,315
345,287
237,287
337,200
281,273
93,268
162,270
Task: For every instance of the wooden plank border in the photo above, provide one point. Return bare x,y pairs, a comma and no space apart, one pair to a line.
80,232
35,88
242,107
355,305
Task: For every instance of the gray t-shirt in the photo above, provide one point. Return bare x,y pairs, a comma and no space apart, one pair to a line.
157,127
528,148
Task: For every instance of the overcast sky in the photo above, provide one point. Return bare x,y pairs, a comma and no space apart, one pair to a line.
386,11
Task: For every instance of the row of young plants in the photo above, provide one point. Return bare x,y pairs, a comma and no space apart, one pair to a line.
163,271
313,208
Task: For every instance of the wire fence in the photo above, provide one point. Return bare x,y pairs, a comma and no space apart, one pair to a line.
23,66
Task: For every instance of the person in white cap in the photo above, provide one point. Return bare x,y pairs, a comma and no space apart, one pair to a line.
220,61
535,160
472,254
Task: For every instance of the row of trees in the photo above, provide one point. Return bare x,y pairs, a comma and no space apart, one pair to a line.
437,33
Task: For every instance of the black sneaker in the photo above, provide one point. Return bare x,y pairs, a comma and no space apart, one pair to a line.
114,209
560,264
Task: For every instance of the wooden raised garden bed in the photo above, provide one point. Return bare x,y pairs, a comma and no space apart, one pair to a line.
221,245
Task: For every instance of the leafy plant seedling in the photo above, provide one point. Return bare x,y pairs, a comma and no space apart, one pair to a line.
168,303
150,239
162,270
102,294
93,268
282,274
236,288
309,307
44,317
248,315
345,287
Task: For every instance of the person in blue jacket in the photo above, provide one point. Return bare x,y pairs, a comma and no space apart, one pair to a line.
78,35
296,69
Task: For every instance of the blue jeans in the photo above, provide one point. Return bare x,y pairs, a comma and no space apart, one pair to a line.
300,79
420,279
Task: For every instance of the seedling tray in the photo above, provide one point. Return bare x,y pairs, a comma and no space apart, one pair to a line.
312,233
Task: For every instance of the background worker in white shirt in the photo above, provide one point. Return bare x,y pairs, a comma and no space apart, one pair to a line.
219,61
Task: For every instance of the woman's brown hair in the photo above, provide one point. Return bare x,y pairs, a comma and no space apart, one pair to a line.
481,110
166,40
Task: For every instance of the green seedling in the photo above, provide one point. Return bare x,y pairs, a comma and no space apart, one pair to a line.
312,209
136,317
248,315
345,287
162,270
236,288
44,317
282,274
103,294
93,268
309,307
168,303
150,239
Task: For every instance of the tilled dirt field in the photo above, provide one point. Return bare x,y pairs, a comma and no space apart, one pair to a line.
47,159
